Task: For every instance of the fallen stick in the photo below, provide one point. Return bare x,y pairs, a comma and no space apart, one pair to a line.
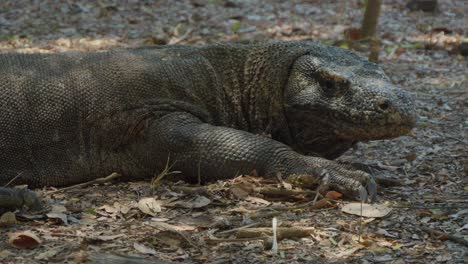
445,236
104,258
276,192
283,232
171,228
85,184
238,228
215,241
321,204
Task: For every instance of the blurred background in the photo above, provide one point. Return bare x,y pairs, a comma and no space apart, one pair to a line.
58,25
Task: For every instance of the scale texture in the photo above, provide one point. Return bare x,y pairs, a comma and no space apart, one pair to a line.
211,112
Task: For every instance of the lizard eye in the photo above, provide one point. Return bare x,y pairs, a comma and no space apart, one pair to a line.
328,84
328,88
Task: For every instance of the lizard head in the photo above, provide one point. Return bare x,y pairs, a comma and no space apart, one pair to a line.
335,98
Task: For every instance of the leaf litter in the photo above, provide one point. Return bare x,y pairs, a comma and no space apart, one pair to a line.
419,51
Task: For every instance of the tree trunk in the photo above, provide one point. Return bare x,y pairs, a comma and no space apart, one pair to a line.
371,17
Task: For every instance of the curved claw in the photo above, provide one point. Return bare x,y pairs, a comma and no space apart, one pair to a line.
362,186
11,199
368,191
31,200
363,194
372,189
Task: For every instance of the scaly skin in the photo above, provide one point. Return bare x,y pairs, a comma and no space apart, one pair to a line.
222,110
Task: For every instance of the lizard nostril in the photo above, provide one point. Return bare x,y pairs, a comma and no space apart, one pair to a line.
383,105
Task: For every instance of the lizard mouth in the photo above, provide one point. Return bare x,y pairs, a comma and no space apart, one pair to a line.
331,134
377,127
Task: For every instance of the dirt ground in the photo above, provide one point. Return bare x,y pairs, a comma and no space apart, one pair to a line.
210,224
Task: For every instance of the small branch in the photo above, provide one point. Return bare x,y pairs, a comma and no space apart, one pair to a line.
283,232
85,184
444,236
121,259
215,241
276,192
181,38
14,179
312,205
238,228
170,228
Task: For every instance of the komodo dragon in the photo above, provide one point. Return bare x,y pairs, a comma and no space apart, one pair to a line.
217,110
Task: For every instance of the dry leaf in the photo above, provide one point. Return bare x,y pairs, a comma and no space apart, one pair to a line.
4,254
333,195
61,217
149,206
198,202
323,203
23,240
368,210
257,200
108,237
8,218
144,249
241,190
46,255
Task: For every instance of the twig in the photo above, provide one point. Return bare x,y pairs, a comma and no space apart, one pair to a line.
445,236
276,192
171,228
12,180
104,258
238,228
85,184
166,171
181,38
215,241
283,232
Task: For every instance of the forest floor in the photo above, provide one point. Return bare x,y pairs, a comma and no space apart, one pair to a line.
198,225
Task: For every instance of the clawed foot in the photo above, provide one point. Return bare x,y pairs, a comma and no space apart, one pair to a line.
354,184
11,199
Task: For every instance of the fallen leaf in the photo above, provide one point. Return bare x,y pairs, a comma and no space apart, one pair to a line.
149,206
58,208
171,239
144,249
58,216
198,202
46,255
4,254
385,233
368,210
397,246
24,240
108,237
323,203
333,195
241,190
109,209
257,200
8,218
